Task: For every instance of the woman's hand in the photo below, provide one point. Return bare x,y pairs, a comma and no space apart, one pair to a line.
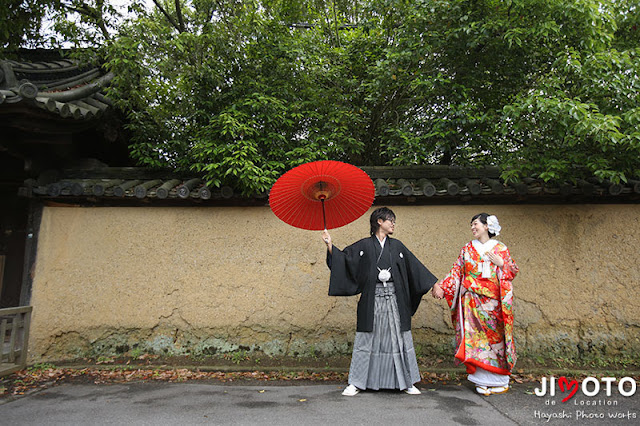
495,259
437,291
327,239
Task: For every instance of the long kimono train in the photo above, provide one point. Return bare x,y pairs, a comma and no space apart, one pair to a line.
383,354
480,296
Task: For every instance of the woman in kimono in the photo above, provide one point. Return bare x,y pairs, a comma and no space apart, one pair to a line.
391,282
479,292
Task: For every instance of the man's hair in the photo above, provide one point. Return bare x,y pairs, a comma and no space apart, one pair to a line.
383,213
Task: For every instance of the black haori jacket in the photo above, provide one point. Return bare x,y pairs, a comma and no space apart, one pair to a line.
354,271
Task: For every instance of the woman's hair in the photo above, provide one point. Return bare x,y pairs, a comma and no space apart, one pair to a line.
383,213
483,218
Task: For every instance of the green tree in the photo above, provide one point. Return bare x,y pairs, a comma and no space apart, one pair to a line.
21,22
56,23
241,91
580,117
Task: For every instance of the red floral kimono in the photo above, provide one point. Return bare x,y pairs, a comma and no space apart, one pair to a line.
481,308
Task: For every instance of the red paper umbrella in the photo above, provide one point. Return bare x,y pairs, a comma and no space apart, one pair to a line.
322,195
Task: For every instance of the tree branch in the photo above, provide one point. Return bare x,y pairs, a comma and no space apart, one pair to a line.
180,18
95,14
335,22
166,15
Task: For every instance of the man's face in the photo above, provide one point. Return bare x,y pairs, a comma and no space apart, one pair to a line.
387,225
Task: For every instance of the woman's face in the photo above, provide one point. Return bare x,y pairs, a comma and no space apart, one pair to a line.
479,229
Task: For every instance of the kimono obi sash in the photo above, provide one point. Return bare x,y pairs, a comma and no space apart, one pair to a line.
483,286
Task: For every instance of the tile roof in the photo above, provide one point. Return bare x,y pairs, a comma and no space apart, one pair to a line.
394,185
60,86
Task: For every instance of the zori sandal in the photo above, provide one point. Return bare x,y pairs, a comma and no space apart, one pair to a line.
498,390
483,390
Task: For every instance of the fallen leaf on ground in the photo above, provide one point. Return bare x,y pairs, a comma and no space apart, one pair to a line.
27,380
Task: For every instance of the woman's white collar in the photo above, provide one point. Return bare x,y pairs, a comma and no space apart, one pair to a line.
483,248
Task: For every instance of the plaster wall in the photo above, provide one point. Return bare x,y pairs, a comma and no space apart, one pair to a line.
209,280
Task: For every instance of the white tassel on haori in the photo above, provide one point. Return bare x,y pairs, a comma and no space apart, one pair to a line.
486,269
384,275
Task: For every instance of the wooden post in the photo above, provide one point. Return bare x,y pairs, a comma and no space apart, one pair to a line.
26,327
12,338
3,334
30,251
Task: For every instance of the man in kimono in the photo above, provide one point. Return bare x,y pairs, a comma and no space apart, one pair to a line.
391,282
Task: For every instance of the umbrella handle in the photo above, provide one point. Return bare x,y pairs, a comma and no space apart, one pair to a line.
324,217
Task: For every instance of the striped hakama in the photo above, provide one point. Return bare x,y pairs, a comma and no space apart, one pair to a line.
384,358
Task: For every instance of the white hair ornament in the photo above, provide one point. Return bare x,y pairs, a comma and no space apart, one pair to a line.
494,225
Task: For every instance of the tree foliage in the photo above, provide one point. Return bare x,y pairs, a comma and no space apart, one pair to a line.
241,91
21,22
